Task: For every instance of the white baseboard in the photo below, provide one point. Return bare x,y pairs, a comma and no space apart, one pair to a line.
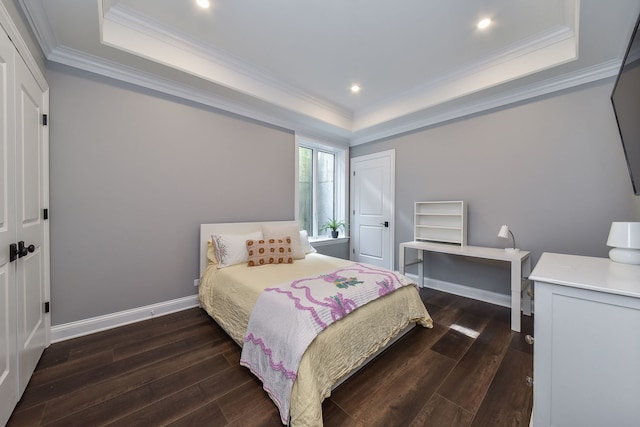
100,323
503,300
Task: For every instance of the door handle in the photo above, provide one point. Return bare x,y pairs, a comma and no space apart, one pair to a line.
13,252
24,250
19,250
386,224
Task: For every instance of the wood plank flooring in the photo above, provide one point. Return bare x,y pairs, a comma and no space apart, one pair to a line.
182,370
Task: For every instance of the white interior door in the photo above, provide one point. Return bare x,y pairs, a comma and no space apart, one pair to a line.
30,227
8,361
372,208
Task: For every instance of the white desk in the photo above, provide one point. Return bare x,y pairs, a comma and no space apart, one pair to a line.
519,261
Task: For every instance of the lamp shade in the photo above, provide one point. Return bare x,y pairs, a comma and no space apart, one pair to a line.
505,233
624,235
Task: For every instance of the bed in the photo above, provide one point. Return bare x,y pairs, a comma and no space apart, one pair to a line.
229,295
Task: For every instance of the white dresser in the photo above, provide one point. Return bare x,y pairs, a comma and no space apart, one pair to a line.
586,362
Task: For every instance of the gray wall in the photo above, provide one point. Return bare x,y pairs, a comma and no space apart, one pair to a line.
133,174
553,169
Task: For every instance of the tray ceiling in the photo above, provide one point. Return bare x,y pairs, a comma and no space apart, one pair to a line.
291,63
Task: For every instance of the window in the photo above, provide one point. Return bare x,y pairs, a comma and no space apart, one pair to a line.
321,185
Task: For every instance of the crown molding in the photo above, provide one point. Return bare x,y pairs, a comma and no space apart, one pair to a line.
125,29
425,118
128,17
97,65
81,60
16,38
535,54
40,25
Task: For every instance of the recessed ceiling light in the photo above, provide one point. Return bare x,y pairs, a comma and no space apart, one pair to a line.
484,23
355,88
203,4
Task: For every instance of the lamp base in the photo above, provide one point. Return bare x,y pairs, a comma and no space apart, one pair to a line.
625,255
511,250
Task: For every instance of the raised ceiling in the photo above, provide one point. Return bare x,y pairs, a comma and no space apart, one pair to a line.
291,62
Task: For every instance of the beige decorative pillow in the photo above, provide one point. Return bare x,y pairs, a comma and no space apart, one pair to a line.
269,251
278,231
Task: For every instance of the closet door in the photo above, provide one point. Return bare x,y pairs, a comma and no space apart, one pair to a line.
30,228
8,360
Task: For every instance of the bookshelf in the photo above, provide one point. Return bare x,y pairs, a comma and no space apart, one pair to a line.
441,221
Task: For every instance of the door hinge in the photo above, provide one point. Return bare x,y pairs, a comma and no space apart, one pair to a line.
47,307
354,173
45,213
45,119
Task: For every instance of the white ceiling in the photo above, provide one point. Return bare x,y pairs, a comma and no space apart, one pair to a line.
291,62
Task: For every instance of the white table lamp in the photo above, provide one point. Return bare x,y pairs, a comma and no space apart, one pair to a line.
504,233
624,238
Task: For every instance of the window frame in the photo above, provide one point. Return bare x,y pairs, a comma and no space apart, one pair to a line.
341,193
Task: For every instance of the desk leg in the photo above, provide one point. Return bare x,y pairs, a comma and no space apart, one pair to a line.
516,291
402,269
526,298
421,268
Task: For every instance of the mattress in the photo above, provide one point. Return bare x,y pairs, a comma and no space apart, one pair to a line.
229,294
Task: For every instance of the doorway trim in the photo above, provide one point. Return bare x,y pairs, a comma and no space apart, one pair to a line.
390,155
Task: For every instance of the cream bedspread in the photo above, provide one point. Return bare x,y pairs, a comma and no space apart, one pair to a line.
229,294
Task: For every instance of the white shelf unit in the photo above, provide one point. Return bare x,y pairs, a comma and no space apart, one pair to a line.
444,222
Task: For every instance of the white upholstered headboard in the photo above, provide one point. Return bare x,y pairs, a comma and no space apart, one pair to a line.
206,230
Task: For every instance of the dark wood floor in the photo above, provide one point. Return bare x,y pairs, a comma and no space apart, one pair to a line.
182,370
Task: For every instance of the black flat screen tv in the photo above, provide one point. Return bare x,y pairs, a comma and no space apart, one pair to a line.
626,106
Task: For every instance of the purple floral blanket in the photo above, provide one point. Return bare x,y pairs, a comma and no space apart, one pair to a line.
287,318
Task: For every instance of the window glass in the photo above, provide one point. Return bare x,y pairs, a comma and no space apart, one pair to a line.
325,192
305,189
322,185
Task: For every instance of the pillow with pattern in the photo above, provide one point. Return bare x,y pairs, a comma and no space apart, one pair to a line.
269,251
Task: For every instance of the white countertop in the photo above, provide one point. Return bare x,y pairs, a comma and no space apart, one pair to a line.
600,274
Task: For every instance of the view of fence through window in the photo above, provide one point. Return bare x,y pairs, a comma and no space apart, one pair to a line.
316,187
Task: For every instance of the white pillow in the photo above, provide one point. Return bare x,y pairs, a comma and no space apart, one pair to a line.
231,249
278,231
304,241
